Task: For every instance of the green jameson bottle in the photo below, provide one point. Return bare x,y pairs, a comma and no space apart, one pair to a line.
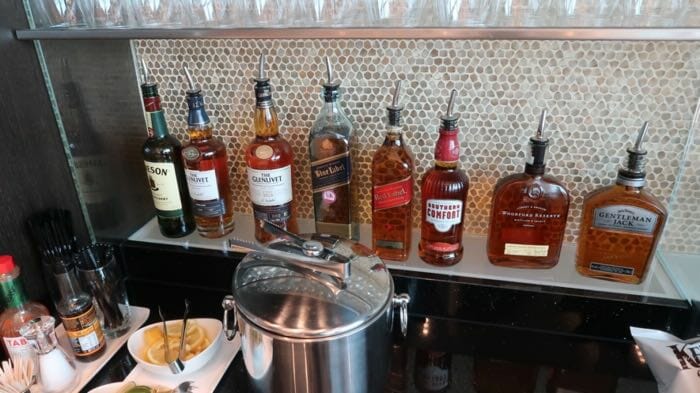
18,310
163,159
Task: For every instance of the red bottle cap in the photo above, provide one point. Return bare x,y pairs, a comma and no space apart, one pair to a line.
7,264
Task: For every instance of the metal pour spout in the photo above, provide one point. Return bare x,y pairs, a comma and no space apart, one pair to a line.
397,91
261,67
451,103
188,76
329,71
145,73
640,137
541,125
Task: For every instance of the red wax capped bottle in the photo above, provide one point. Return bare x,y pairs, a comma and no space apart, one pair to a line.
444,197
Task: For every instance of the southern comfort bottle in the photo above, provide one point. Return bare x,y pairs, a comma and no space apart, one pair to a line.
206,169
621,224
444,195
392,189
270,161
331,143
528,213
162,155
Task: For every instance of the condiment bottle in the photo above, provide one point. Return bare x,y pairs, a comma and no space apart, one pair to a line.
56,371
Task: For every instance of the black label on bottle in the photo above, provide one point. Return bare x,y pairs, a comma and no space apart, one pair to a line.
331,172
612,269
272,213
212,208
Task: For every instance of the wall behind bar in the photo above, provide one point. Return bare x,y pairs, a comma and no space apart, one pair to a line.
35,173
597,93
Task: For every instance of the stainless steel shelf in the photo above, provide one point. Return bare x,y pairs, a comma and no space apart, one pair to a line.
450,33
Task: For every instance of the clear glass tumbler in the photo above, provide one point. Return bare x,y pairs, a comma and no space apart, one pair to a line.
61,13
160,13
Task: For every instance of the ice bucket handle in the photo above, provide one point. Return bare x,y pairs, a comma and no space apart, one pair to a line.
401,301
229,305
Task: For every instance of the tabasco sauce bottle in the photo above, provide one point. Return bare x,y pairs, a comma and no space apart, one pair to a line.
443,197
270,162
392,189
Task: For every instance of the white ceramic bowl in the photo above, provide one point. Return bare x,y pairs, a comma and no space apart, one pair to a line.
213,329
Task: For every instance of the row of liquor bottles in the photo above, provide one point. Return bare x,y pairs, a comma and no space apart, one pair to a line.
620,228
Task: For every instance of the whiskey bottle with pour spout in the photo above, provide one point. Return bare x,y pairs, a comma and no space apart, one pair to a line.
443,197
270,165
621,224
392,189
528,213
206,169
331,146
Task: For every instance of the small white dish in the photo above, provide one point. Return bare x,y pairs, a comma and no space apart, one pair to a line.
213,329
109,388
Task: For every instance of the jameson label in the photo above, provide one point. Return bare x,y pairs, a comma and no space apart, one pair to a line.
92,178
330,172
434,378
204,192
393,194
526,250
443,213
625,218
84,332
164,188
612,269
271,193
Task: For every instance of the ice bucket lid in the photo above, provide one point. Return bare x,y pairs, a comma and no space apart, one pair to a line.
312,291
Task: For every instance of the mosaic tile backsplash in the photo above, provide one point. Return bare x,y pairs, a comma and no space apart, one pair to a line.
597,94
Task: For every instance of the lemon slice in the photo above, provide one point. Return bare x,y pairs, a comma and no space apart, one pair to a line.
156,353
195,337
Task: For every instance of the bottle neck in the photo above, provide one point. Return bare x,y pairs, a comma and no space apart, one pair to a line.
394,136
199,132
12,293
198,125
266,123
447,148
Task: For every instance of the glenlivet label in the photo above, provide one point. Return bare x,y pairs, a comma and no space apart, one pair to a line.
625,218
271,192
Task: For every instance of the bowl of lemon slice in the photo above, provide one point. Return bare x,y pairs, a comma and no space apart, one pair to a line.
202,340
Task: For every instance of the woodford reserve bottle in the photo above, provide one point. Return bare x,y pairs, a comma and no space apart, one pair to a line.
162,155
270,161
392,189
528,213
444,195
621,224
206,170
331,143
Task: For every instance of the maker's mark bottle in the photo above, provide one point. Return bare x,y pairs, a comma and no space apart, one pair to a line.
330,149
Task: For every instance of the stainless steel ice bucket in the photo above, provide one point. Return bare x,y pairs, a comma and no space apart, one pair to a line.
315,316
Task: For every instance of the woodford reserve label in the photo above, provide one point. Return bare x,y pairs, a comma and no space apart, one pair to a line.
393,194
625,218
443,213
331,172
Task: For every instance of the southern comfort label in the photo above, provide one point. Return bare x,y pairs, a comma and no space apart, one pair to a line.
331,172
443,213
625,218
393,194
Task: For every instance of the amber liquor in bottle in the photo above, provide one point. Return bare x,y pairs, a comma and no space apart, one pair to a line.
444,197
528,213
162,154
206,169
331,146
270,162
621,224
392,189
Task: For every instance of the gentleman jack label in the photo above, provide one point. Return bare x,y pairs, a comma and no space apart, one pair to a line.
625,218
331,172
